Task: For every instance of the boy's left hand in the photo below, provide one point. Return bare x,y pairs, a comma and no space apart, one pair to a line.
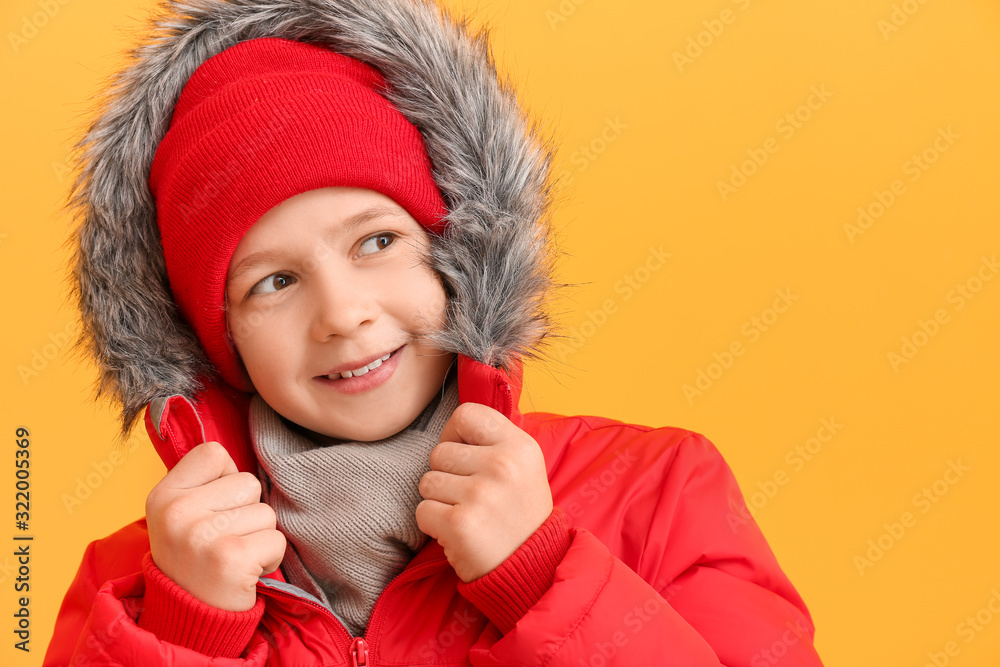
487,490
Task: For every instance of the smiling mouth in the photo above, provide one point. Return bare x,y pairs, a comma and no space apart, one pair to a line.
364,370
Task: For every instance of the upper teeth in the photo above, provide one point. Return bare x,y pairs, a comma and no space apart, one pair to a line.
360,371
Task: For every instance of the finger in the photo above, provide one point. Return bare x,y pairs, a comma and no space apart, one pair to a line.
476,424
431,516
240,521
204,463
229,492
268,546
457,458
444,487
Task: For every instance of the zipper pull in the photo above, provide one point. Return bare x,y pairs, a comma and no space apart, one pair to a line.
359,652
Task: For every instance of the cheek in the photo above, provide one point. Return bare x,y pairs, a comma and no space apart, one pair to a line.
238,330
415,287
248,335
428,297
262,363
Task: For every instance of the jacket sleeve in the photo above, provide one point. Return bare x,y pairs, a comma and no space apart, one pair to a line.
101,622
707,590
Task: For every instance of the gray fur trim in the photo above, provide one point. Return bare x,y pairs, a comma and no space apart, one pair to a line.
491,164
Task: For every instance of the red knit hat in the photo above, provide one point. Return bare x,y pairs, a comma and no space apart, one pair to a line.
262,121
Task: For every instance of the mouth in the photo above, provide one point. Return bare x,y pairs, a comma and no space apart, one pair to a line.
361,370
376,374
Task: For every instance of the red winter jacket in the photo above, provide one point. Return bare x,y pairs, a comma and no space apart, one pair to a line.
649,557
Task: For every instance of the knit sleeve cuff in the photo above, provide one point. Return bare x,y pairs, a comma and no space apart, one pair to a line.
506,593
177,617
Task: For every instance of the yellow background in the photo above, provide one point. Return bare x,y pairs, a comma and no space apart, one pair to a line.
644,144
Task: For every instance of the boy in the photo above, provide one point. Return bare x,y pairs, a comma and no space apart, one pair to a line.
411,514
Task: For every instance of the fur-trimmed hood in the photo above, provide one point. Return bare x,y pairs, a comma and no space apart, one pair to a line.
489,160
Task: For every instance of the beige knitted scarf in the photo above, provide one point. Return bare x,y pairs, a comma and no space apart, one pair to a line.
345,507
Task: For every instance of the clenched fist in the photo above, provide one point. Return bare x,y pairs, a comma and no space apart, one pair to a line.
208,530
487,490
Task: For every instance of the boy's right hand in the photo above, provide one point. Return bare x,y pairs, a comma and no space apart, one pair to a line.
208,530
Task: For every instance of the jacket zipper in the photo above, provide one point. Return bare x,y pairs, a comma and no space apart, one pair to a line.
359,647
359,652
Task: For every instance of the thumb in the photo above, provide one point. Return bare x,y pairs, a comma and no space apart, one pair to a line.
475,424
452,430
206,462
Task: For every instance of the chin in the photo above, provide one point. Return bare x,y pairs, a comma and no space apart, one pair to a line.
365,435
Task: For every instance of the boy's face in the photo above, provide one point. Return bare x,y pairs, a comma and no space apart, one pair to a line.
330,295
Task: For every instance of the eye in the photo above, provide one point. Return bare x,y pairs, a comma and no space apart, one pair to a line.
273,280
377,239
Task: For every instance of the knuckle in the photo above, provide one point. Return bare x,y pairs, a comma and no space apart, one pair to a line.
440,462
218,523
426,484
435,455
153,501
467,410
250,487
214,451
280,542
491,422
215,446
205,525
504,467
462,520
206,533
175,514
475,494
422,515
227,552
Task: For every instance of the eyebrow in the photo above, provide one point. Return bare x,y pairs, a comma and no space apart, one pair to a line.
254,260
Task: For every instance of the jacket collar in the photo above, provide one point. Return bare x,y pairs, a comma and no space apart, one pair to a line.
220,413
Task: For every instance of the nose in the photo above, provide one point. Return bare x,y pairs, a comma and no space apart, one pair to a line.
340,304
